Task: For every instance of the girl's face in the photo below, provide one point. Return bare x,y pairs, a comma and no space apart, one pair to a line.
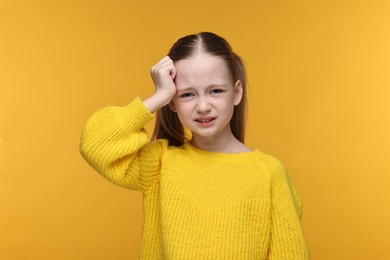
205,96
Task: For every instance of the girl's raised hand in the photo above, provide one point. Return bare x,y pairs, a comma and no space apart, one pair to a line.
163,74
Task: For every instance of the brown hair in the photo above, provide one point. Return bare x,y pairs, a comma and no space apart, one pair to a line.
168,125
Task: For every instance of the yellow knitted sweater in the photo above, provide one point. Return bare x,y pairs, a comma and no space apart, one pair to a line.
197,204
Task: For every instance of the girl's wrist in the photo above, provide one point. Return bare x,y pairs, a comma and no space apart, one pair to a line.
156,101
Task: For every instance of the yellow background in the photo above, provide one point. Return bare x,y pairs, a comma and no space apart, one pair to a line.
319,74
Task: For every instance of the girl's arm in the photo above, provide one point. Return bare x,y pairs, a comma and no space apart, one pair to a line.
115,144
114,141
287,238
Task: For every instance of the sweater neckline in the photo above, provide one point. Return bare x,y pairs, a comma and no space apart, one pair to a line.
200,153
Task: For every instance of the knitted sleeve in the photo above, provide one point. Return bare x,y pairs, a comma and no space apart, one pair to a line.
115,144
287,238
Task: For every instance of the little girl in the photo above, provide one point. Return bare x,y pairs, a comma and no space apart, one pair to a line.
208,196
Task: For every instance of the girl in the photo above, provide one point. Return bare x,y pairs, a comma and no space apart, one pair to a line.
208,196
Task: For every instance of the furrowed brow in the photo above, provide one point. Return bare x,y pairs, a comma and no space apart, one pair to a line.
189,89
217,86
186,89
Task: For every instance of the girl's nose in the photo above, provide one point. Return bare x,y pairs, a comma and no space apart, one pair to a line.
203,106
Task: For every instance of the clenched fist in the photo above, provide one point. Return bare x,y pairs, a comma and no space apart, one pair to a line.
163,74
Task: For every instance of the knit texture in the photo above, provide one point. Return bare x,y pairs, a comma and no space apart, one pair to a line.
197,204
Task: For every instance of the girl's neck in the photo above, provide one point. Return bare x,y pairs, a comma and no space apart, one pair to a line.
223,145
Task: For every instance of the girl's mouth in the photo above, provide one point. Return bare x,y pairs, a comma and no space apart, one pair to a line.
204,120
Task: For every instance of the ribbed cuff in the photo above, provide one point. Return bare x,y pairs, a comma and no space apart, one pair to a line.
135,115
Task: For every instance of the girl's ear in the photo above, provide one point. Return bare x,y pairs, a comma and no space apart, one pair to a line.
172,106
238,91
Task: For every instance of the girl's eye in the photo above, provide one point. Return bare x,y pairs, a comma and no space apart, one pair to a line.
217,91
186,95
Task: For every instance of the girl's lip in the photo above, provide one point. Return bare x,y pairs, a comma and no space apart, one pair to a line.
205,119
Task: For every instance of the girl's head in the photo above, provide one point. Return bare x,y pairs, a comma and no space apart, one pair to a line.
168,124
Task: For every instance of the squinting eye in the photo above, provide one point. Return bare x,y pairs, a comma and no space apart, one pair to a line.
217,91
185,95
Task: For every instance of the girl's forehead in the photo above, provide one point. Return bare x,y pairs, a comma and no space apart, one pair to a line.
202,69
200,59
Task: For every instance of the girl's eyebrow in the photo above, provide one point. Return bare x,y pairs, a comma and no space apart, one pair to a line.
194,89
217,85
186,89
